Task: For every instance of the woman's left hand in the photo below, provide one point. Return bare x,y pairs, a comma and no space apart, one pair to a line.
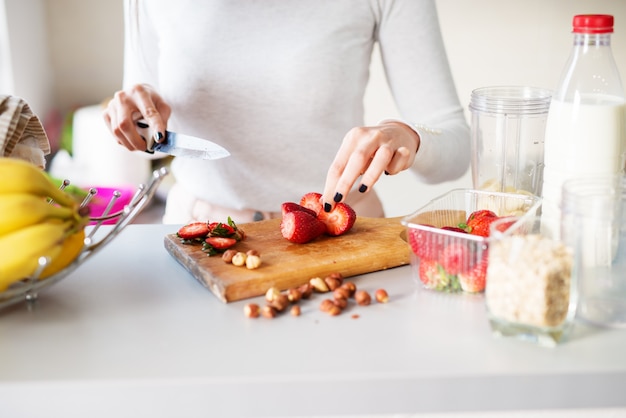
368,152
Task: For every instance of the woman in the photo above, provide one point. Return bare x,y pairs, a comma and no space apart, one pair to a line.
279,83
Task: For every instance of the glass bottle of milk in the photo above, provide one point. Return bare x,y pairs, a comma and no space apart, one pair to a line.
586,125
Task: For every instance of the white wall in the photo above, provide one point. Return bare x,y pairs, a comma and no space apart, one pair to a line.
489,42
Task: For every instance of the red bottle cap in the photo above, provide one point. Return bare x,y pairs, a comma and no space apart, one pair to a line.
593,24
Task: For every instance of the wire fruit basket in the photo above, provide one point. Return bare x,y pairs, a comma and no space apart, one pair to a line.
28,289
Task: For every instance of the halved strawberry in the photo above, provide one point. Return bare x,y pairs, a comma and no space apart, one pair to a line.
301,227
313,201
220,229
474,280
292,206
193,230
220,243
339,220
455,258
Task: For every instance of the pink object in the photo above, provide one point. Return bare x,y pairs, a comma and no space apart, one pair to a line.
100,201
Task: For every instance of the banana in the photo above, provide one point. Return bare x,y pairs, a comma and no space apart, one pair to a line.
20,250
71,248
19,210
19,176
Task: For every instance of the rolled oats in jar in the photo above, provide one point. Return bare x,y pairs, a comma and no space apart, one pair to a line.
530,293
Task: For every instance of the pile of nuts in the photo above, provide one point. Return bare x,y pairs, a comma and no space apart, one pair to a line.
251,259
278,302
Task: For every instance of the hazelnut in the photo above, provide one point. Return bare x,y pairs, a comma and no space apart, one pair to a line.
319,285
295,310
252,252
341,293
294,295
326,304
350,287
337,275
253,262
280,302
362,298
306,290
252,310
332,282
272,293
228,255
239,259
269,311
334,310
381,296
341,303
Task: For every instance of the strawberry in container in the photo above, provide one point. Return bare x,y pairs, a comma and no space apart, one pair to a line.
449,237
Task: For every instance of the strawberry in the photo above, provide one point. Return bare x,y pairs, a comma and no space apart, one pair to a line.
454,229
432,276
339,220
193,230
504,225
425,244
221,243
312,201
292,206
477,214
219,229
481,226
301,227
474,280
455,258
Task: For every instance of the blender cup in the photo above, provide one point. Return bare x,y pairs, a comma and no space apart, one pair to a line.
508,127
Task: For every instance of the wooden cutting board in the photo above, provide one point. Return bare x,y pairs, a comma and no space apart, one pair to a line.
372,244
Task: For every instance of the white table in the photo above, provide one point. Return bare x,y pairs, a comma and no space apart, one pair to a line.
131,333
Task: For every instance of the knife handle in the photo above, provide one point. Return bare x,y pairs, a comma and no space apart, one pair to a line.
144,132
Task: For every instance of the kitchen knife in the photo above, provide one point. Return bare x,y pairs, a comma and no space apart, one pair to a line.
181,145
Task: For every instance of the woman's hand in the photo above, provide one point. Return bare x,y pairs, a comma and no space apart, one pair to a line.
367,152
128,106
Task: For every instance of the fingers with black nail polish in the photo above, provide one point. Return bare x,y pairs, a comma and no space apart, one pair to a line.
362,188
327,207
338,197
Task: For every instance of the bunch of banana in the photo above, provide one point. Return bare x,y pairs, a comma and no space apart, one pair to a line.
37,219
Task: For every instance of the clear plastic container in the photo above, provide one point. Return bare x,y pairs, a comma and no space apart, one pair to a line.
508,126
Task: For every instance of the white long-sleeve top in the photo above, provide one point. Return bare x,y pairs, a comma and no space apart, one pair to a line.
280,82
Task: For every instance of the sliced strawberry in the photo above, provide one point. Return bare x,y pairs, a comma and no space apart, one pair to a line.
455,258
424,243
292,206
220,243
194,230
474,280
301,227
339,220
312,201
219,229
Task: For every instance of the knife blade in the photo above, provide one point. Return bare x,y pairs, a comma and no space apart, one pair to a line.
181,145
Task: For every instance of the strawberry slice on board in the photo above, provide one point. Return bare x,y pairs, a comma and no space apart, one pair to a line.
301,227
313,201
220,243
220,229
339,220
287,207
194,230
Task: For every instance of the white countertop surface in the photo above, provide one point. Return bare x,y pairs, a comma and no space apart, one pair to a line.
132,333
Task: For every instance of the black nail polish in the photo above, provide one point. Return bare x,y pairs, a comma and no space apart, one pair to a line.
386,172
327,207
159,136
362,188
338,197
